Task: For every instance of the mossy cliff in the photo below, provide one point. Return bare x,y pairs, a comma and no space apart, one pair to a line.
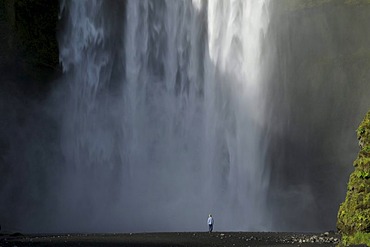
354,213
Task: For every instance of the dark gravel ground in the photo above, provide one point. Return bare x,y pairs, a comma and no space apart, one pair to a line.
175,239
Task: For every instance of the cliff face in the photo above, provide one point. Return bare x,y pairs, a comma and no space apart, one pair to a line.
354,213
29,46
28,132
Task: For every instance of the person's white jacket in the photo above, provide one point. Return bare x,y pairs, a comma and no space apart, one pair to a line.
210,221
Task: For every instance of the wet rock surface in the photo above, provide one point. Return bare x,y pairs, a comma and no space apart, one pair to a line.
174,239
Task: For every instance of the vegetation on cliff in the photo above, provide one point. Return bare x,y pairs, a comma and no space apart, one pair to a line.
354,213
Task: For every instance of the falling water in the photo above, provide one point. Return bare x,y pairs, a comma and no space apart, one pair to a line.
162,119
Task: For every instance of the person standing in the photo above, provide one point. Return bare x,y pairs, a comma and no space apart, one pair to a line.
210,222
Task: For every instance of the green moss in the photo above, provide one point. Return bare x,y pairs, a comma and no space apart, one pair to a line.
362,174
354,213
357,238
362,161
366,149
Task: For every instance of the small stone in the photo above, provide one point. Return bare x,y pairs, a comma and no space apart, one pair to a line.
326,233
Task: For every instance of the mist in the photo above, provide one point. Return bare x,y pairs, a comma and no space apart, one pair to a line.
318,96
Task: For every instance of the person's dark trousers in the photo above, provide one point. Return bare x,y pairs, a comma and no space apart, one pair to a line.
210,227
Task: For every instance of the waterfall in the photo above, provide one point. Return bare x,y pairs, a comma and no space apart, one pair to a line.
163,115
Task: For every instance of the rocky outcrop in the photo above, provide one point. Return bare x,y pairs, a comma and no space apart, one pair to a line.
354,213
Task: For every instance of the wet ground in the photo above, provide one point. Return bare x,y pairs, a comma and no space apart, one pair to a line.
173,239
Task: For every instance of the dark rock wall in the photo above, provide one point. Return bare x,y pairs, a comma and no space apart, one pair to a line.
28,129
29,48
